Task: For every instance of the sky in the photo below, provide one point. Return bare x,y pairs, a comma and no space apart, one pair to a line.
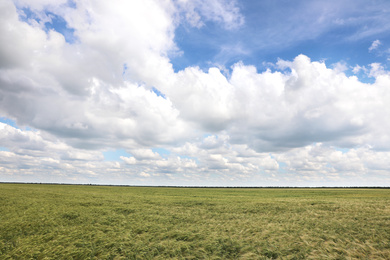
195,92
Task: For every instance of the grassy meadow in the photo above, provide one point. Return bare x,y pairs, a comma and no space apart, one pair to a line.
107,222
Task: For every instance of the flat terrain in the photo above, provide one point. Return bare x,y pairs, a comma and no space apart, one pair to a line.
103,222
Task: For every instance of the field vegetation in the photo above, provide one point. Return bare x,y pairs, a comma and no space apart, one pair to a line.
108,222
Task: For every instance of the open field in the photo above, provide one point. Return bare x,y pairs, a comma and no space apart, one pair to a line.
99,222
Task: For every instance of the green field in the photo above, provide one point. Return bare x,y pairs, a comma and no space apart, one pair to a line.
107,222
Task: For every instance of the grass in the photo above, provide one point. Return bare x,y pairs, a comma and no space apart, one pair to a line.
103,222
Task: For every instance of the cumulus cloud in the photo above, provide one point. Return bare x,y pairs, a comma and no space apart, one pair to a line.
210,161
93,95
304,102
113,87
144,154
36,156
321,163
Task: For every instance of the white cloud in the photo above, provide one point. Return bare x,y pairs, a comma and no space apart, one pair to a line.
145,154
224,12
206,98
129,160
36,156
340,66
97,94
375,44
223,164
330,165
359,68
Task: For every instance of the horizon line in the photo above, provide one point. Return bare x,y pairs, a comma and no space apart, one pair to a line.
202,186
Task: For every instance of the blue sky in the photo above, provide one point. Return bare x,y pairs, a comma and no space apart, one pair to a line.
221,93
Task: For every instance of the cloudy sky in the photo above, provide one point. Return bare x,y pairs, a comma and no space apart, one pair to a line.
195,92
